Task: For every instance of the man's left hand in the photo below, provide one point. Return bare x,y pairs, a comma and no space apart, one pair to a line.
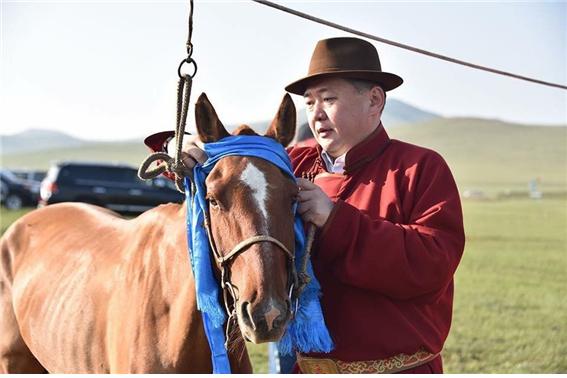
314,205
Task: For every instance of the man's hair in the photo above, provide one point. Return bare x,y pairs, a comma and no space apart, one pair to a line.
362,86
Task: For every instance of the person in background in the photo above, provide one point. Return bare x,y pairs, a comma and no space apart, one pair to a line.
388,215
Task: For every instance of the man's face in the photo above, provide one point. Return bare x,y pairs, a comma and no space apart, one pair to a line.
338,114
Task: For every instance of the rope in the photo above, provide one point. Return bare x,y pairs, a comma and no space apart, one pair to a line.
189,44
404,46
302,275
166,163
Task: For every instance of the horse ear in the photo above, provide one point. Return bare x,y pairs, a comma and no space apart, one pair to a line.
209,127
282,128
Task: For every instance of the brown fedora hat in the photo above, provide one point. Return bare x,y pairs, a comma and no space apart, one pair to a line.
345,57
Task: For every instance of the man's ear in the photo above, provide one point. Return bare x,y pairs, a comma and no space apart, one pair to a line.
209,127
282,128
377,98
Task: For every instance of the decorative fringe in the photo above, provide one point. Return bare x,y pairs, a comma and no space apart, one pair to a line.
210,304
306,332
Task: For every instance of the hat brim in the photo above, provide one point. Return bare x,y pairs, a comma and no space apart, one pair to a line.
156,141
386,80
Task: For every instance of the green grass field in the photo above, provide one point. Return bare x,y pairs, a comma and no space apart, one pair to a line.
492,156
7,217
510,312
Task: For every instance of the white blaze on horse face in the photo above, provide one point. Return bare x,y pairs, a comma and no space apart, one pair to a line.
256,181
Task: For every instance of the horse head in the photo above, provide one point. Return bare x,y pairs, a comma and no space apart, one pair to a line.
251,206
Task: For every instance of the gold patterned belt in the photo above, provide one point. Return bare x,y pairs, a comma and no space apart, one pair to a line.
400,362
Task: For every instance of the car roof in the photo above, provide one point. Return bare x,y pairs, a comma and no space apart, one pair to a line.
103,164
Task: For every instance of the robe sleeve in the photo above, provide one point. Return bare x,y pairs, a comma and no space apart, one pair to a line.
399,260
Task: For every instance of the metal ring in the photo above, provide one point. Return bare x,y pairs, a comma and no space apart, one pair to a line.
290,291
294,313
187,60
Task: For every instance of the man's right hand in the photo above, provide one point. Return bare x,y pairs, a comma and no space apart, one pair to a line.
192,151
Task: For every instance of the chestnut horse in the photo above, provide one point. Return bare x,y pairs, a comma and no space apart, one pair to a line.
83,290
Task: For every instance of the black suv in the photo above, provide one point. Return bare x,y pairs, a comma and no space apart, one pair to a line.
113,186
15,192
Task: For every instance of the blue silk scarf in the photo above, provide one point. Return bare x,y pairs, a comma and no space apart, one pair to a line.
307,331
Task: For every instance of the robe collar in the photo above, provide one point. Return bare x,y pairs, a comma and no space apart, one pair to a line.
366,151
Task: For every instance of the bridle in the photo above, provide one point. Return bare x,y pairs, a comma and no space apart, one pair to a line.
227,286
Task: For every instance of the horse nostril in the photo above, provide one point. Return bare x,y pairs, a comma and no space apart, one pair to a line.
278,322
247,315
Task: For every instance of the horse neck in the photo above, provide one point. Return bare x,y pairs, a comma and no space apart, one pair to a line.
159,259
176,287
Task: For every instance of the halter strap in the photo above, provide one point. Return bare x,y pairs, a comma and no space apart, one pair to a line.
240,247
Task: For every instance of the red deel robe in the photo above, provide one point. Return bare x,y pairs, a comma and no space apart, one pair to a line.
387,254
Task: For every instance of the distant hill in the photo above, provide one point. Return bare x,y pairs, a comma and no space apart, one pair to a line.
37,140
494,156
118,152
396,113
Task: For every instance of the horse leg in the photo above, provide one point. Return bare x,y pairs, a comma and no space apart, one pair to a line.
15,356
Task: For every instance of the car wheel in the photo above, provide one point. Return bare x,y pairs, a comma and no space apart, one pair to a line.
13,202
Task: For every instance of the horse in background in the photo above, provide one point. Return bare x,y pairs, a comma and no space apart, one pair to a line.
83,290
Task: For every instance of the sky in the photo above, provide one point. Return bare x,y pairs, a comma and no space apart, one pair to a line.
107,70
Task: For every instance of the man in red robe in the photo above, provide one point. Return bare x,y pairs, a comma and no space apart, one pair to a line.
390,229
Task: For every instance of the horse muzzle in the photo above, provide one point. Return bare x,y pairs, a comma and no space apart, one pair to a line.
265,321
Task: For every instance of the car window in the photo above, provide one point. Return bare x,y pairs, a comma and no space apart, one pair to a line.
100,175
37,176
9,176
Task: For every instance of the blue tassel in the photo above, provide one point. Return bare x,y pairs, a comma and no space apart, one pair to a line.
312,336
210,305
307,331
284,345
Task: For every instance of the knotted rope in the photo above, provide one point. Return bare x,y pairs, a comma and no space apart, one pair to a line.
165,162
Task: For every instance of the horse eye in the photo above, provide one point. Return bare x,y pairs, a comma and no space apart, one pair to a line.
213,202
